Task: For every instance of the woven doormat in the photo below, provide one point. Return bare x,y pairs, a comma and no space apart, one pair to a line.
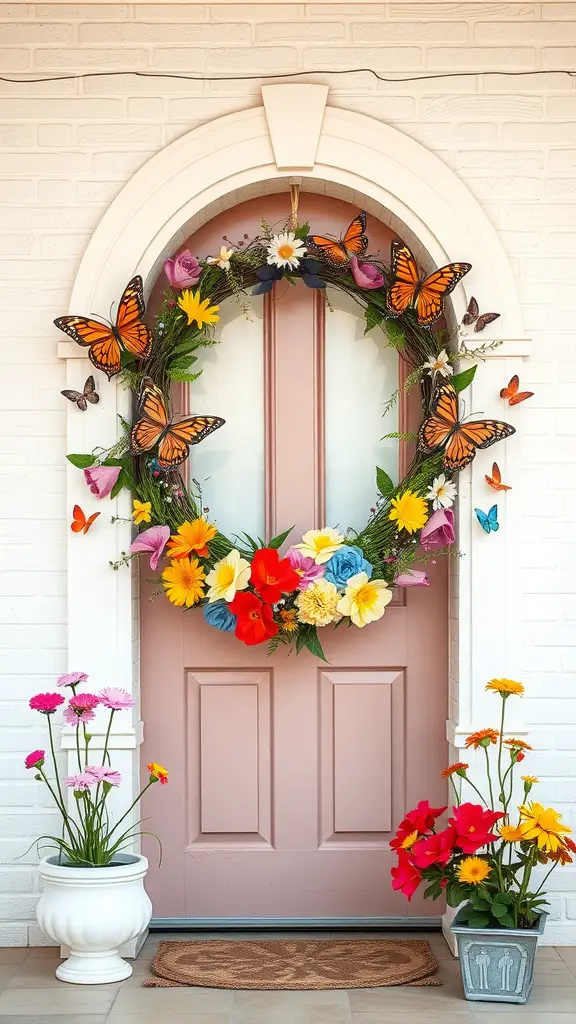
294,964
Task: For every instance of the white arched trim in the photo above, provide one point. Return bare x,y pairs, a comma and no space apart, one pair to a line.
361,160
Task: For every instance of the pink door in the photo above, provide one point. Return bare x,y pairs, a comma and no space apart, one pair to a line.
287,775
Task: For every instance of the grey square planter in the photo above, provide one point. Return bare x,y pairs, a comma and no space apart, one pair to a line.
497,964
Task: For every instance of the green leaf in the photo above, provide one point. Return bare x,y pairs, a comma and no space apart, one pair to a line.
498,909
384,482
396,337
312,641
302,231
479,903
464,379
372,317
251,541
507,921
181,377
82,461
182,362
478,921
277,542
122,481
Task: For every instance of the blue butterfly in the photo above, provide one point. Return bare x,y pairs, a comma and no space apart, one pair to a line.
488,522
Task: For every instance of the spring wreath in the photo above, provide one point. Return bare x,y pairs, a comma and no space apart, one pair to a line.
329,576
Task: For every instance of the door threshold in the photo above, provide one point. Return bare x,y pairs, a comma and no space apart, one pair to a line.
183,924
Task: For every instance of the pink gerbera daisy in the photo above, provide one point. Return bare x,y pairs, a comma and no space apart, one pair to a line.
71,679
103,774
116,699
35,759
81,708
80,783
46,703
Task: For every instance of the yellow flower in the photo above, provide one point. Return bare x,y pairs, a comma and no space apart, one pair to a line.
530,779
288,623
191,536
409,510
223,259
506,687
317,605
364,600
198,309
410,840
511,833
230,574
142,512
158,773
183,581
544,825
473,870
320,544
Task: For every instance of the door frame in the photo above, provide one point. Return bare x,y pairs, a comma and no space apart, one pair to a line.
350,156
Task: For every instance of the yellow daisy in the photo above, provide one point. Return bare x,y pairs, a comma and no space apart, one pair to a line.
183,581
191,536
142,512
506,687
529,779
230,574
409,511
320,544
544,825
317,605
364,600
473,870
198,309
511,833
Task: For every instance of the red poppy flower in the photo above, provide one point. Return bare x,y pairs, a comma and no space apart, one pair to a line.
473,826
272,576
255,622
436,849
424,817
405,877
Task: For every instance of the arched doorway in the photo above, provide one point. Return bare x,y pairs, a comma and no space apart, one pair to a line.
289,776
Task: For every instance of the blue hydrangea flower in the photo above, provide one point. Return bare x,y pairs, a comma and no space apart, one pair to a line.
218,614
346,563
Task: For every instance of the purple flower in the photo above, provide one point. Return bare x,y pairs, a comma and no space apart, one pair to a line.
438,531
154,540
101,479
366,275
183,271
305,567
71,679
102,774
412,578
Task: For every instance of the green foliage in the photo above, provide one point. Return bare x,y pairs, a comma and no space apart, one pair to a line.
82,461
396,336
278,541
302,231
307,636
372,317
464,379
384,483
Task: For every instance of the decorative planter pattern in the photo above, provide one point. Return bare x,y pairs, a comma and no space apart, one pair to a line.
497,964
94,911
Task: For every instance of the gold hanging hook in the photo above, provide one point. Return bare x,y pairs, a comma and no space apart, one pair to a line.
295,184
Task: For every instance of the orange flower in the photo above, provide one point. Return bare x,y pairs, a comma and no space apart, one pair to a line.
517,744
506,687
191,536
482,738
157,773
511,833
455,769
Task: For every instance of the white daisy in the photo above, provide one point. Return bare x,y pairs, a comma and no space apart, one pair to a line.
285,250
441,364
223,259
442,492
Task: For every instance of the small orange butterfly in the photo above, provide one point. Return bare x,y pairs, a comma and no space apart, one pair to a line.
337,252
495,480
511,393
79,522
411,290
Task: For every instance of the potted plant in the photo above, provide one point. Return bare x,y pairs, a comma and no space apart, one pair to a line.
483,860
93,897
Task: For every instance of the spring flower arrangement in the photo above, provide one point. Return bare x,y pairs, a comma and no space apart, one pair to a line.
88,837
485,855
331,575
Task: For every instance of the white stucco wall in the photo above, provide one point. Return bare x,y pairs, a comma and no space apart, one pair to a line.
66,150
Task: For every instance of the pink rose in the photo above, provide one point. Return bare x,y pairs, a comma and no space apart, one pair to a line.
101,479
438,531
183,271
366,275
412,578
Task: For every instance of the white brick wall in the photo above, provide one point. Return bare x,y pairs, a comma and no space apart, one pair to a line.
66,148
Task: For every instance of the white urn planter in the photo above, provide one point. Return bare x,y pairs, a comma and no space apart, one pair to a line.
94,911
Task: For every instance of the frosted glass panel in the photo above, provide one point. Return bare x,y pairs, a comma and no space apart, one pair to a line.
361,375
229,464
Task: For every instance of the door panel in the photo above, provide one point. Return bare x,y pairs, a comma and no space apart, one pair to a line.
288,776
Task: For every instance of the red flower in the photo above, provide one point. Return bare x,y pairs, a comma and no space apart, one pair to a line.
405,877
436,849
403,838
46,703
473,826
255,622
35,759
272,576
423,817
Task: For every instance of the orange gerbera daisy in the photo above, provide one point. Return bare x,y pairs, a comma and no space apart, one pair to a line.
517,744
191,537
455,769
482,738
506,687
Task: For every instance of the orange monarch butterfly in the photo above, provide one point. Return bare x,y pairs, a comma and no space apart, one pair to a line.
80,524
155,427
495,480
106,340
461,440
337,253
511,393
410,290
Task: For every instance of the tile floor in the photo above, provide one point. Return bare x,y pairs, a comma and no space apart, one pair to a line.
30,994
